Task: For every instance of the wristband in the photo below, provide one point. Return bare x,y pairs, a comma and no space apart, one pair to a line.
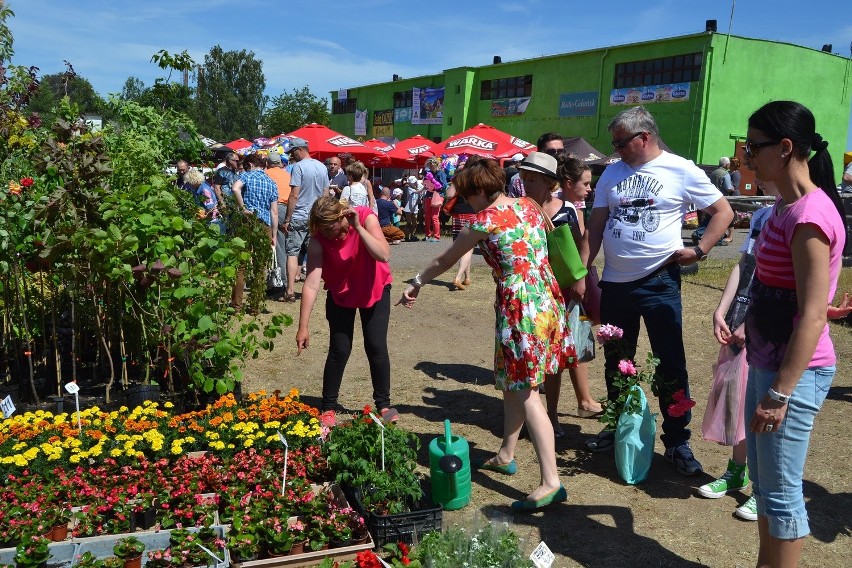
777,396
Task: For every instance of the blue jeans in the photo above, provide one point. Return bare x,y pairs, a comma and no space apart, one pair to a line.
656,300
776,460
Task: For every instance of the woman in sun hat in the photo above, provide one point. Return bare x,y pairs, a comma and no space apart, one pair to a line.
532,337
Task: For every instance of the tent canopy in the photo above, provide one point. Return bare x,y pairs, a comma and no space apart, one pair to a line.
323,142
484,140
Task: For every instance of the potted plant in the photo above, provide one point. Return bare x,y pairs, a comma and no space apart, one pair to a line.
88,560
32,552
130,550
159,559
278,539
244,546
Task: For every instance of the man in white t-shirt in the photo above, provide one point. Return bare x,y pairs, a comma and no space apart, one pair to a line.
637,217
846,182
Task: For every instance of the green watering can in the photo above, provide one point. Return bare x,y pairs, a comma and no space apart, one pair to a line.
449,464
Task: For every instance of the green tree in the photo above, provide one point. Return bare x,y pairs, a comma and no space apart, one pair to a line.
290,111
58,85
133,89
230,99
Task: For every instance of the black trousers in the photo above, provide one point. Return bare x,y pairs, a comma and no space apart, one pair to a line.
374,325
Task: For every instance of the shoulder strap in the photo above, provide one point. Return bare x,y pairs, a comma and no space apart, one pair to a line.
548,224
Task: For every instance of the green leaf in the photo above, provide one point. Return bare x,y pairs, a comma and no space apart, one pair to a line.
205,323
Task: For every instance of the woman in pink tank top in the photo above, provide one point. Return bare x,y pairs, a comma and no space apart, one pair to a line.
350,255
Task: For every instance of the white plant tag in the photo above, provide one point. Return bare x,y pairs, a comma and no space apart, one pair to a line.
286,451
72,388
7,406
542,557
211,554
382,426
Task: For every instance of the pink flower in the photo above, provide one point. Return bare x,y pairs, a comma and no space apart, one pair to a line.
626,367
608,332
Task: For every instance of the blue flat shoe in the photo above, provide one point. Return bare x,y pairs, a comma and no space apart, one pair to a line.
510,468
557,496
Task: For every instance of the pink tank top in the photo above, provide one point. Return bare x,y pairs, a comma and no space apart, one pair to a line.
350,274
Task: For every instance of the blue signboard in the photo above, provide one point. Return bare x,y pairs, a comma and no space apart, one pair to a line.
578,104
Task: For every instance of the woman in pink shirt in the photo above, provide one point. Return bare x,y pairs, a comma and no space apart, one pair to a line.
349,253
791,358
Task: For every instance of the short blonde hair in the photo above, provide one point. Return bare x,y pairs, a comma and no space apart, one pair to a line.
193,177
326,211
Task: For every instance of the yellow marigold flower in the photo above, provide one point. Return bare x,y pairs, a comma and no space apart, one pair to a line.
177,450
115,452
231,446
168,405
75,458
249,442
274,425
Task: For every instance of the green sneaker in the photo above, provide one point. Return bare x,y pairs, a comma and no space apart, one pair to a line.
748,510
734,479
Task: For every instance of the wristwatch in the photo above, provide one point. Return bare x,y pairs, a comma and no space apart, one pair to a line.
416,282
777,396
700,252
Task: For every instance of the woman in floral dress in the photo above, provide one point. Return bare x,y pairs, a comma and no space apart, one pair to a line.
532,336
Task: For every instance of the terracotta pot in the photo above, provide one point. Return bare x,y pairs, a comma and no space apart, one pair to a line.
59,533
133,562
298,547
361,539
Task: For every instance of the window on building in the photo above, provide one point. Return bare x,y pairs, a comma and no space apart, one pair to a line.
403,99
343,107
506,88
673,69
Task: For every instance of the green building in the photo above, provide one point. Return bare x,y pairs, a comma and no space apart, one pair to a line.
701,89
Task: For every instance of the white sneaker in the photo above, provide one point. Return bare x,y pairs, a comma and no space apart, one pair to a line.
748,510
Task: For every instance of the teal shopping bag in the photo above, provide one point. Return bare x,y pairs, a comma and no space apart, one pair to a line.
634,440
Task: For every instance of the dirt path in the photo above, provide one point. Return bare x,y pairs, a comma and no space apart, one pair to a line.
441,356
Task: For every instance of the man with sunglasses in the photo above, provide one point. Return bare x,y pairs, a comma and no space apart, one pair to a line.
637,217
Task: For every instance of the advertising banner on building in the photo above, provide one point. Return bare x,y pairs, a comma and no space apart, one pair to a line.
509,107
578,104
673,93
383,123
360,122
402,114
428,106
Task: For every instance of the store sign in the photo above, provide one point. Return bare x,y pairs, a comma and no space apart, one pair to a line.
578,104
402,114
672,93
383,123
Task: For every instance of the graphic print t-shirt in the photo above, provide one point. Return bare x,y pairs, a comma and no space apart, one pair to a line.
646,207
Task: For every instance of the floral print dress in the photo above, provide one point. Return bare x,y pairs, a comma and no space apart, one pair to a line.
532,334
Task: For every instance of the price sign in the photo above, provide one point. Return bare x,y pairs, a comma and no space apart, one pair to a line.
542,557
7,406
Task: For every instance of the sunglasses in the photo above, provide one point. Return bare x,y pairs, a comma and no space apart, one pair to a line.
619,144
751,146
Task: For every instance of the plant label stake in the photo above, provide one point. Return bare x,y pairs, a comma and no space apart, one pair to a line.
211,554
382,426
385,564
7,406
542,557
75,390
286,448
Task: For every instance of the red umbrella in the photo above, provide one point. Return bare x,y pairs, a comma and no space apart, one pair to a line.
412,151
484,140
239,144
379,145
323,142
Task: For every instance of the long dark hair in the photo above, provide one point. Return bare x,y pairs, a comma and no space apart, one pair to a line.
791,120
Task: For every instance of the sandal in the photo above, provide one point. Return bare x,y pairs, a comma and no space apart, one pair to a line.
289,298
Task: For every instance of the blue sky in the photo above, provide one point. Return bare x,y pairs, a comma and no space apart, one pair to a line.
329,45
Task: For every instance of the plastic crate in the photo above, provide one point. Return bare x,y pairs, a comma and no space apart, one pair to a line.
401,527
